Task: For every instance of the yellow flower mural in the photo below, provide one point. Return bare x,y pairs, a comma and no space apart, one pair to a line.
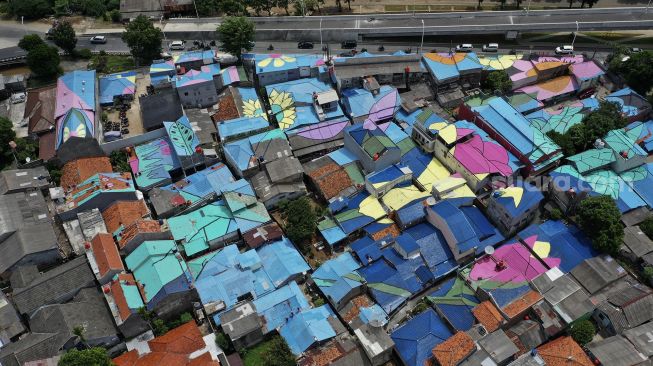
252,108
80,131
283,108
276,60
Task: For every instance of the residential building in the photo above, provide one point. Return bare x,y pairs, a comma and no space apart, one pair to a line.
634,106
596,273
164,105
242,127
76,106
380,182
338,280
315,140
640,338
624,309
636,244
451,74
11,325
261,235
242,325
564,294
617,351
23,180
454,350
121,214
125,298
140,231
376,343
398,69
514,207
560,350
372,147
103,256
281,179
275,68
77,171
245,157
196,88
39,113
117,87
494,348
415,339
372,103
195,60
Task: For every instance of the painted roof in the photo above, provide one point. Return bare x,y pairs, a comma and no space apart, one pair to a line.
155,265
192,56
242,125
630,102
291,102
281,304
276,62
455,301
359,211
312,136
562,117
587,70
524,102
307,327
76,122
75,89
549,89
620,142
199,227
251,103
415,339
425,117
152,161
115,85
498,62
98,185
527,68
202,184
337,277
241,151
229,75
372,139
506,121
642,133
127,294
518,198
165,68
361,102
445,66
555,239
282,261
183,138
241,200
194,77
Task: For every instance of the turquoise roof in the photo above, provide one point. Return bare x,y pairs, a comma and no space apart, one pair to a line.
200,227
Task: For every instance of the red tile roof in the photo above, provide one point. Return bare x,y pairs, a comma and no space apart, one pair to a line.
563,351
262,234
138,227
124,213
106,254
119,296
392,230
331,179
454,350
522,304
77,171
171,349
488,315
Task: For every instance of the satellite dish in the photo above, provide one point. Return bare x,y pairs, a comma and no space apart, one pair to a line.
28,159
430,201
489,250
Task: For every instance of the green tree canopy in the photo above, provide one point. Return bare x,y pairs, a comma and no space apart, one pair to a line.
498,80
582,331
600,219
637,69
44,60
31,9
64,36
96,356
279,353
236,35
301,221
30,42
599,122
647,227
143,39
232,8
7,134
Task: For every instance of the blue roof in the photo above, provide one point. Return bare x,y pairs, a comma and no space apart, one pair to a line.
411,213
415,339
642,132
182,136
342,156
361,102
198,55
337,276
373,314
202,184
436,253
518,198
153,162
407,243
567,243
459,225
282,261
387,174
640,180
306,328
241,151
242,125
276,62
444,66
455,301
280,305
629,100
115,85
387,286
366,249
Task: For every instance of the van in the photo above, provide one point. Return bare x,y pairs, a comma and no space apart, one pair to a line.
465,47
491,47
564,50
177,46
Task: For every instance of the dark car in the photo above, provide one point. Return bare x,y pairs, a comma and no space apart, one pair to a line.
349,44
305,45
347,54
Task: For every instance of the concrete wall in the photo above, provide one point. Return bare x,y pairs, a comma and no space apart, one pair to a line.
198,95
109,147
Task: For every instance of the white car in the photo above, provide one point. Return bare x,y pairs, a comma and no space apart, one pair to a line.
18,98
177,45
99,39
465,47
564,50
491,47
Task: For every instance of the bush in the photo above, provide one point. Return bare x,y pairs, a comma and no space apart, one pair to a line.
648,274
600,219
84,54
115,15
583,331
556,214
96,356
30,41
43,60
647,227
318,302
224,342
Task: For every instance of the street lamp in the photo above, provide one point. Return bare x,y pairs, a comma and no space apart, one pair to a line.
321,47
422,43
647,6
528,7
574,40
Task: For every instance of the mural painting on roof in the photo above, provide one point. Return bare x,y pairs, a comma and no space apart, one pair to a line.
182,136
277,60
384,108
283,108
252,108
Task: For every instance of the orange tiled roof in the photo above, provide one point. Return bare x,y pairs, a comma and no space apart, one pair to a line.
523,303
77,171
392,230
331,179
454,350
563,351
488,315
358,302
106,254
119,296
124,213
171,349
138,227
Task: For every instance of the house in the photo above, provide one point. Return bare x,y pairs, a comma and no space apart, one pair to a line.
454,301
396,69
380,182
526,334
617,351
514,207
246,156
75,106
561,118
39,113
11,325
277,68
183,346
164,105
415,339
125,297
633,106
121,214
281,179
32,347
27,236
527,70
640,338
58,285
261,235
318,139
341,350
488,316
23,180
161,74
553,90
186,143
624,309
560,350
104,258
243,325
376,343
195,60
513,131
636,244
117,87
373,103
338,280
596,273
138,232
564,294
309,328
451,72
332,180
454,350
77,171
164,276
196,88
372,147
242,127
77,147
88,311
586,73
494,349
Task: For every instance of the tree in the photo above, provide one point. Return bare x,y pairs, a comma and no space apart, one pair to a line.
647,227
498,80
143,39
115,15
479,4
119,161
339,3
571,2
43,60
236,35
61,7
582,331
232,8
301,221
589,3
604,119
647,273
278,354
64,37
30,42
7,134
637,69
600,218
502,4
30,9
564,141
207,8
26,148
224,342
349,4
95,356
284,4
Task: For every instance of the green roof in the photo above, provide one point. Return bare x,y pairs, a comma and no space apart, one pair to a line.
591,160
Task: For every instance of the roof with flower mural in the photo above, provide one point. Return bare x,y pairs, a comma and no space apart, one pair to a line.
526,70
504,120
562,117
251,104
183,138
291,102
75,105
360,102
549,89
498,62
518,198
194,77
445,66
642,133
631,103
278,62
116,85
558,240
587,70
152,161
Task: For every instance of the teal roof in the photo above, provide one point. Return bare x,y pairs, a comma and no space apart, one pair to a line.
200,227
591,160
621,142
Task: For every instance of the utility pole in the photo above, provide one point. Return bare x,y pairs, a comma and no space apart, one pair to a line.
574,40
321,47
422,42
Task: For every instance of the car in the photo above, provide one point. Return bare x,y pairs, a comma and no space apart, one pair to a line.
465,47
165,56
350,44
18,98
491,47
304,45
634,50
564,50
177,46
351,53
98,39
49,34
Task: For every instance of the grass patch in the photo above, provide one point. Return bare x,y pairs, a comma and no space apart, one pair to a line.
417,7
643,40
115,63
611,36
394,8
254,356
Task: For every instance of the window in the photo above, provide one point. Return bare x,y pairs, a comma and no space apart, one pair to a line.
186,94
